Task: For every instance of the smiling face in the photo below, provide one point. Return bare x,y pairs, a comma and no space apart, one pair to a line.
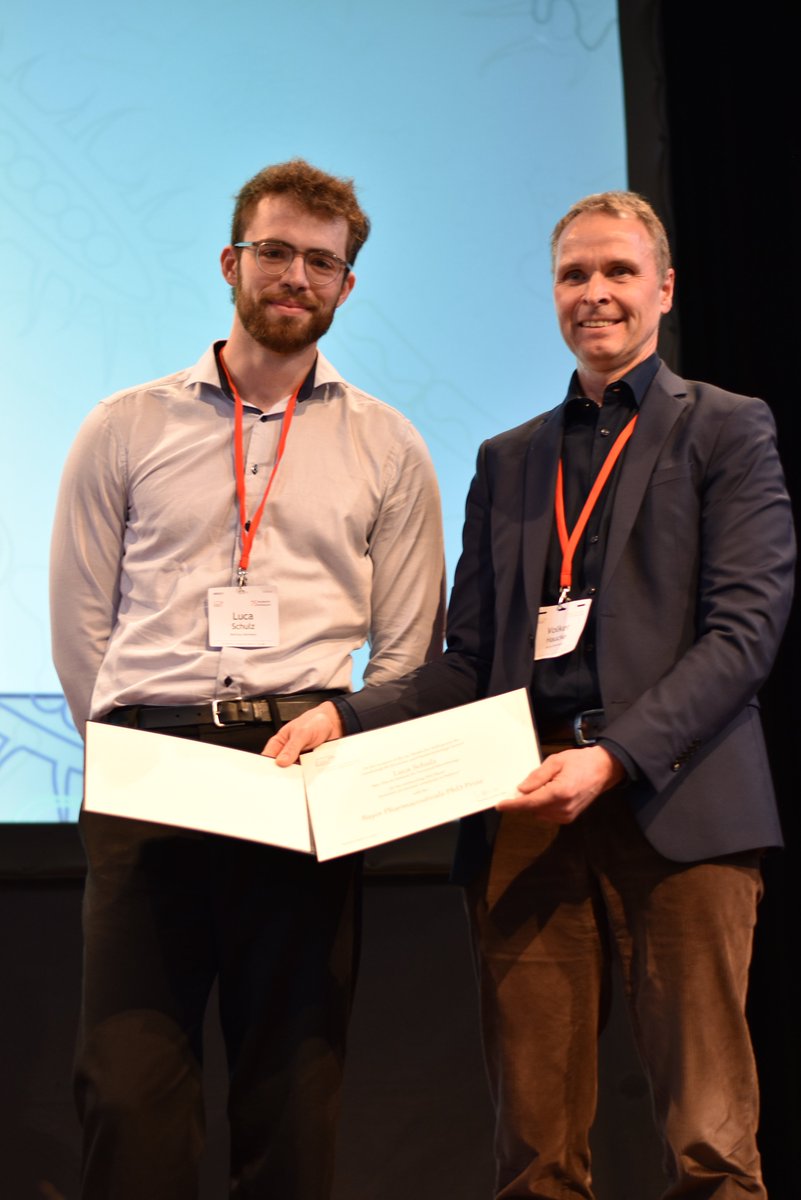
289,313
609,295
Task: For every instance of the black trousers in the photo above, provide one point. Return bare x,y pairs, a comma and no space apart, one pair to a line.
166,912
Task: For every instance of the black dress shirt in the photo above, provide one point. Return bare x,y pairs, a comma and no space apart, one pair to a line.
569,684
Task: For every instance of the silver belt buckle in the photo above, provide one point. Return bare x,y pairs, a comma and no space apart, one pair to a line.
578,732
215,713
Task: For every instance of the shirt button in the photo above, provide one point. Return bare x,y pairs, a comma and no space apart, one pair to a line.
594,538
604,432
264,417
592,591
254,470
228,681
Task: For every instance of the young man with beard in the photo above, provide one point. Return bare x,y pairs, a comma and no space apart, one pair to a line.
259,467
640,834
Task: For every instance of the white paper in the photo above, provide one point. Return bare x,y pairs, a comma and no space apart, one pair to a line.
373,787
178,781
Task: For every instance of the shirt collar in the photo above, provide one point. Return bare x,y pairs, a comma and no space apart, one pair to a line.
631,387
207,371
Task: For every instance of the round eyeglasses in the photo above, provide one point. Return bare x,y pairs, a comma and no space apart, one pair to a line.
275,258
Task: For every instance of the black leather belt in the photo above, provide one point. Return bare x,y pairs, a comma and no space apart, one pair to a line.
582,729
256,710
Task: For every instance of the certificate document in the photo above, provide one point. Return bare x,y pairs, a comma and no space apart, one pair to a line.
177,781
387,783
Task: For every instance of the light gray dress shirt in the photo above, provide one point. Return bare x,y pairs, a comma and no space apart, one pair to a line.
147,521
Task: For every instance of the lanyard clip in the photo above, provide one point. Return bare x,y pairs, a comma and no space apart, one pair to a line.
564,596
242,577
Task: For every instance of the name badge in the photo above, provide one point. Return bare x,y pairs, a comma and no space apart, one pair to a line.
243,617
559,627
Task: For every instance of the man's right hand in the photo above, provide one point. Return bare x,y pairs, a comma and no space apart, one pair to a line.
306,732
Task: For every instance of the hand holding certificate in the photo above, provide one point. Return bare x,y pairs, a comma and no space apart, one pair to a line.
355,793
378,786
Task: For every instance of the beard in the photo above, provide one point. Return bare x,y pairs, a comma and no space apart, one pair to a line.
280,333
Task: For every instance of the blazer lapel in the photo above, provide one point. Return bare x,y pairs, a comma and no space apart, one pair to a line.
664,403
539,486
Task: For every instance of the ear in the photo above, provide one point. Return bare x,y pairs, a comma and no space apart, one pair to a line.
667,291
229,261
346,289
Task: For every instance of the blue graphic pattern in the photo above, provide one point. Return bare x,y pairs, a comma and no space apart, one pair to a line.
41,759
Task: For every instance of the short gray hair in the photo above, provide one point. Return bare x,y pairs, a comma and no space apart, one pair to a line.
619,204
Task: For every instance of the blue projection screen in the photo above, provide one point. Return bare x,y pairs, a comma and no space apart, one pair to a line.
469,127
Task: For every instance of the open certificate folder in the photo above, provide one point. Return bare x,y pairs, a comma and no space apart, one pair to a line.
176,781
377,786
347,795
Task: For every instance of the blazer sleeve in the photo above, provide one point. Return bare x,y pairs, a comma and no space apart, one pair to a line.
745,555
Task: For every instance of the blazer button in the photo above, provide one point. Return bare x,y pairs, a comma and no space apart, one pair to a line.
676,766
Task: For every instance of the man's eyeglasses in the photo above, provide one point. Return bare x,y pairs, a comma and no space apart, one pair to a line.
275,258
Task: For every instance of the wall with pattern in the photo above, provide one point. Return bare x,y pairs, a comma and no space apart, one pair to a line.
469,127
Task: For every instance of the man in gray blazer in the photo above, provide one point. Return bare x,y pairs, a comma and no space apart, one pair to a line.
628,558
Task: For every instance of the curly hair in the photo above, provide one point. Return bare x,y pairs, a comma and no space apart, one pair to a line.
319,193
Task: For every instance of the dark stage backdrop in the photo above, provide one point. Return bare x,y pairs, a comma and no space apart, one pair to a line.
709,102
721,85
740,327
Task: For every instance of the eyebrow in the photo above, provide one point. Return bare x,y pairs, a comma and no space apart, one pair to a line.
571,264
309,249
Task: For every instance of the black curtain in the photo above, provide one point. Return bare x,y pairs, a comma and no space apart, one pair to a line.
711,98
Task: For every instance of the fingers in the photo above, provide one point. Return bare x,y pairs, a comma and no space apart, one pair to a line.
566,784
543,774
547,805
275,747
306,732
539,789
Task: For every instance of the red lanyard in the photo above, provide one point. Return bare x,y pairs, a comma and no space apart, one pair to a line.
247,527
569,544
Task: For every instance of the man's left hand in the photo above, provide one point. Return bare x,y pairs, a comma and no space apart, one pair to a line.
306,732
567,783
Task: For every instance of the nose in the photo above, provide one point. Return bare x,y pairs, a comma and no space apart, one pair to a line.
595,288
295,274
